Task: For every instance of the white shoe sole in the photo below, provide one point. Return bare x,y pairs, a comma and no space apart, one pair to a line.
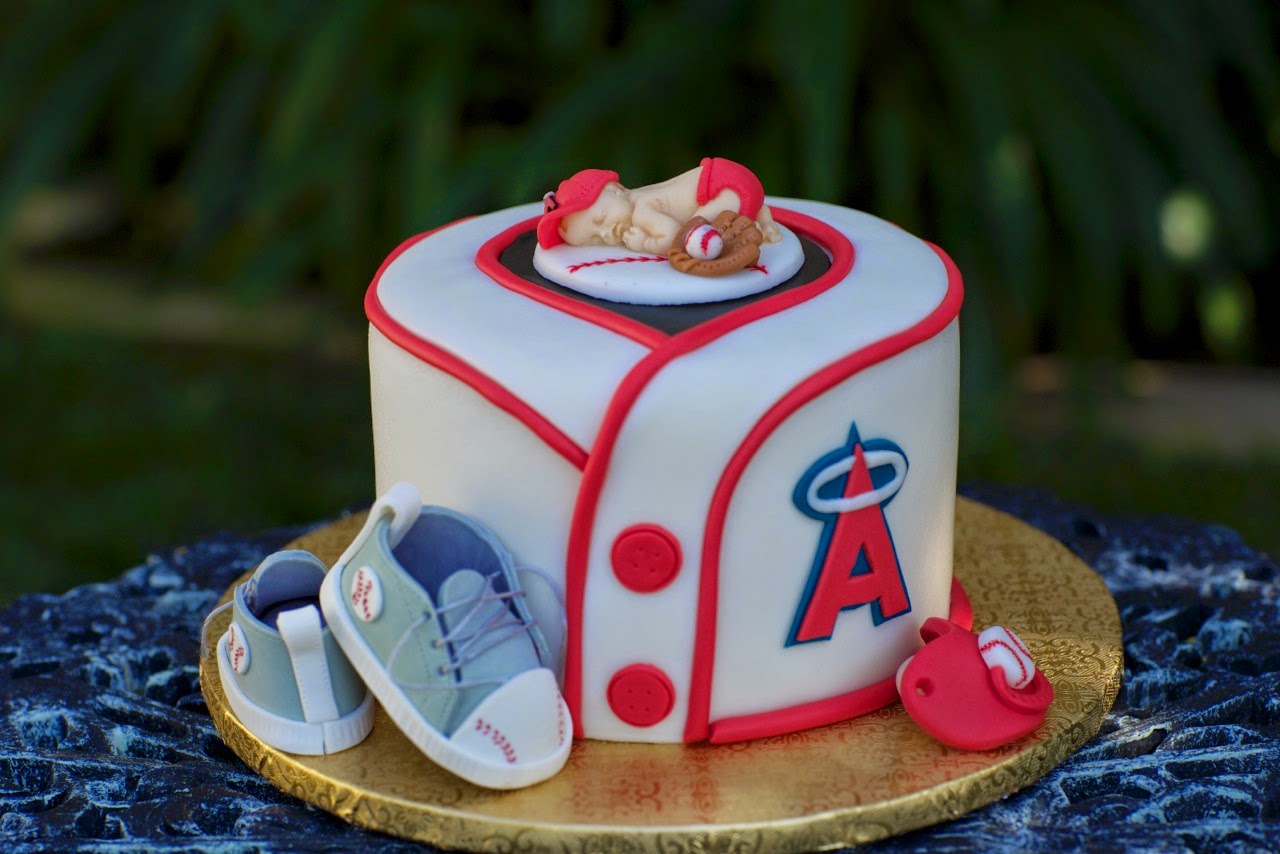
437,746
310,739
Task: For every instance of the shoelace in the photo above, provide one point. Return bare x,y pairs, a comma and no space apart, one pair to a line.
463,651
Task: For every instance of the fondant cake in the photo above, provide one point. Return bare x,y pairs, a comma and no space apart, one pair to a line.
744,481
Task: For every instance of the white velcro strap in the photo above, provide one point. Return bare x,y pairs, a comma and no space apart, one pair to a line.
300,631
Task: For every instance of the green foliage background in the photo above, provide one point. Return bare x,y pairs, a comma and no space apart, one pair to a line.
276,145
282,149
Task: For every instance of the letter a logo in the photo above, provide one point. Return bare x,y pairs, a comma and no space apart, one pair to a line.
856,563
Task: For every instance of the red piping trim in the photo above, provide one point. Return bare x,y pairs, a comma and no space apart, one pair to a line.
487,261
629,390
833,709
451,364
805,716
697,721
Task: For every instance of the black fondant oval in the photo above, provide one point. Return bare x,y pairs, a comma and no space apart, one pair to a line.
667,319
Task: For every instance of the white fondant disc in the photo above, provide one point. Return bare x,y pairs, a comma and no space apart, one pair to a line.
617,274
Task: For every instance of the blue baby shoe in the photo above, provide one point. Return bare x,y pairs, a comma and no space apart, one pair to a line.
283,673
432,612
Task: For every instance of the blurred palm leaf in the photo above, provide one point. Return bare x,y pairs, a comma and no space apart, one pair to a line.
292,144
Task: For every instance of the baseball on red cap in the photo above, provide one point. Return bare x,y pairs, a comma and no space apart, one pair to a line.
575,193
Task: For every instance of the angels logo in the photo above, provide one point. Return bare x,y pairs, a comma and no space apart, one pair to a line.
855,563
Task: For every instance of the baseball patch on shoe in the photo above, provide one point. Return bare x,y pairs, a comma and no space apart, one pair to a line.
366,594
237,650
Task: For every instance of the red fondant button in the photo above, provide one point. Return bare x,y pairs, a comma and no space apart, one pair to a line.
641,695
646,558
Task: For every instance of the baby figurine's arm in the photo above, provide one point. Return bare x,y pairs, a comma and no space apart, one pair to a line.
659,211
651,230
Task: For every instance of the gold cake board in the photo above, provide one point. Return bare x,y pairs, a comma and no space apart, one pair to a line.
865,779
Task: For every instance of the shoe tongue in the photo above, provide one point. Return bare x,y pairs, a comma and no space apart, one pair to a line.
505,659
464,584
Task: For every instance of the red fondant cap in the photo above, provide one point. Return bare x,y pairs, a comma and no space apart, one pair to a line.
575,193
949,691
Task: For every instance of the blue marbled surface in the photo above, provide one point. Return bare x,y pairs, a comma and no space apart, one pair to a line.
106,745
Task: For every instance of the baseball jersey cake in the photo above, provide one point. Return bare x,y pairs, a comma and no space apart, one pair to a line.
725,424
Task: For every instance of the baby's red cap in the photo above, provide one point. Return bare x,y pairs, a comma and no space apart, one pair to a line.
575,193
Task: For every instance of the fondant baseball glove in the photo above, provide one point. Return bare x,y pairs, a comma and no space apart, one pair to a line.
741,245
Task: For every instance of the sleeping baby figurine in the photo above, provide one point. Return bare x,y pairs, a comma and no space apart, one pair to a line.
592,208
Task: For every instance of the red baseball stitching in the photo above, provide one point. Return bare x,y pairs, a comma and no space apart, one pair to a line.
495,735
237,652
992,643
573,268
360,594
707,233
1018,643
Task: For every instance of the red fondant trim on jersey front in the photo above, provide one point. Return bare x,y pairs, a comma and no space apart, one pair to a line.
446,361
805,716
629,390
877,695
697,721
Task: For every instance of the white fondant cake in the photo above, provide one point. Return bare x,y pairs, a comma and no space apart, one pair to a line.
749,505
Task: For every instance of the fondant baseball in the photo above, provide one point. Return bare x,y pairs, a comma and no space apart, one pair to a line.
704,242
1002,648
